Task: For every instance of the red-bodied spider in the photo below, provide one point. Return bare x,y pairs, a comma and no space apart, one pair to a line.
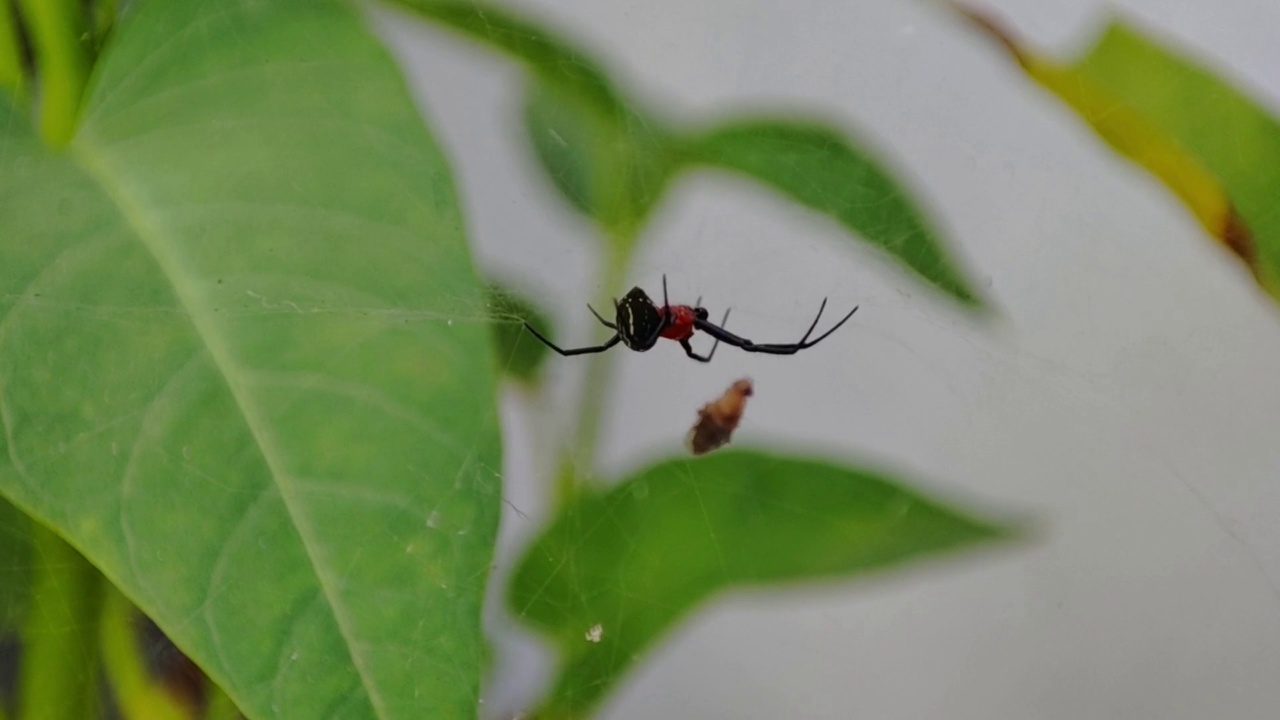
638,323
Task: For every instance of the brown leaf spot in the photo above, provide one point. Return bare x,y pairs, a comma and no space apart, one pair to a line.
1237,236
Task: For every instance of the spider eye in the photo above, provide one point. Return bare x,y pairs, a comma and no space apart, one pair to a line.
700,313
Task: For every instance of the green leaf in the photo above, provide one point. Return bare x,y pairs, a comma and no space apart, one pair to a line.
12,75
15,566
228,371
58,670
613,159
608,158
1232,134
624,565
518,353
611,163
58,32
137,691
817,167
1191,130
549,56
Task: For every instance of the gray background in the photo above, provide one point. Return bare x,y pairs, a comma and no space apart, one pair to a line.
1127,398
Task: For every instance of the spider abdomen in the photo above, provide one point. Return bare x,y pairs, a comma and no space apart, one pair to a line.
639,321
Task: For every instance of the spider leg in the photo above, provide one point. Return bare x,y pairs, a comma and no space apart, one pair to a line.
830,330
688,349
604,322
818,317
729,338
576,351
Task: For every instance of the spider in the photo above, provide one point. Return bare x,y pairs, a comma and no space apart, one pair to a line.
639,322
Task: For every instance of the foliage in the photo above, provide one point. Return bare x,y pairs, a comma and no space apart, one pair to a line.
632,560
235,396
1211,144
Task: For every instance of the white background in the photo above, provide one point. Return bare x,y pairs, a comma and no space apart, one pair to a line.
1126,396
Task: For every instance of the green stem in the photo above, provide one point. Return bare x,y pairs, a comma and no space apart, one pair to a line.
103,20
58,674
579,461
219,706
11,72
58,33
137,694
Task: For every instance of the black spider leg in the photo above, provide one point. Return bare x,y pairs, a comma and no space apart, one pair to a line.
578,351
688,349
604,322
773,348
666,314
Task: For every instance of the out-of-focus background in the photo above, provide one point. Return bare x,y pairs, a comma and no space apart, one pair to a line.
1125,396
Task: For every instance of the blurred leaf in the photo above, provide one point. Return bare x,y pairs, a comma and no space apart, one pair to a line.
518,353
226,368
612,159
57,675
15,566
612,165
552,58
636,558
609,159
817,167
57,30
12,74
1210,144
138,692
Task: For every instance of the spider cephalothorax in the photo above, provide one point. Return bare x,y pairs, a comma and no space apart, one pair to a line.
639,323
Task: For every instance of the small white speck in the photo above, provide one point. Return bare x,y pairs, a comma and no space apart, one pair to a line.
409,548
115,449
449,322
293,655
186,452
595,633
433,520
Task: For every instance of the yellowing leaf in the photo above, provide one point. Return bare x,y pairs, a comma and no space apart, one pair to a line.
1171,118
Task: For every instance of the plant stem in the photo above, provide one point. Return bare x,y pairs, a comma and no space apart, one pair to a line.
137,694
58,33
11,71
579,460
102,18
219,705
58,673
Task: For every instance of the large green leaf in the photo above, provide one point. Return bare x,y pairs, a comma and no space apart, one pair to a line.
229,373
820,169
612,158
623,565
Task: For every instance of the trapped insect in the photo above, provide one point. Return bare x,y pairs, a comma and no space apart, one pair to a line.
719,418
639,323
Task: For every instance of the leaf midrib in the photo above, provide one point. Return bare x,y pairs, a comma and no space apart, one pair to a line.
135,216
